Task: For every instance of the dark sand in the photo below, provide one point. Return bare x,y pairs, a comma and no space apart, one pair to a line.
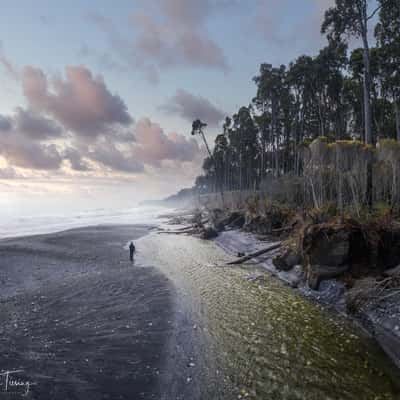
79,319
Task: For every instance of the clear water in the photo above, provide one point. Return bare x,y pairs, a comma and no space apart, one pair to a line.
261,341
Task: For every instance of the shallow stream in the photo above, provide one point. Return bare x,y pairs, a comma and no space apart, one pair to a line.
240,338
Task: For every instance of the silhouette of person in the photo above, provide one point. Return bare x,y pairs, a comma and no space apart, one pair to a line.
131,250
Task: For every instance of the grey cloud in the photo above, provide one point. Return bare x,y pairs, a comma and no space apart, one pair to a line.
108,155
191,107
5,123
21,140
189,12
272,21
20,152
75,159
8,173
173,43
179,38
31,125
36,126
81,102
195,12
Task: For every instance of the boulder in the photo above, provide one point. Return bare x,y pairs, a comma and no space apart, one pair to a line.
318,273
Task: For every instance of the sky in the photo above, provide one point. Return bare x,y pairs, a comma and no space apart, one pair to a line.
97,98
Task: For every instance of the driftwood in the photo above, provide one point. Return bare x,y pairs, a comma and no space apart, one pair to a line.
180,232
280,230
254,255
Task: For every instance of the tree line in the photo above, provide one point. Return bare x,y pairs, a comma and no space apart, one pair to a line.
342,96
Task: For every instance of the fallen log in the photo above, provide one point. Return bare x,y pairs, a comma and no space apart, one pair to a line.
280,230
179,232
242,260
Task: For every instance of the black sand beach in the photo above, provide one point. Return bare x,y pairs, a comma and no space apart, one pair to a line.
78,319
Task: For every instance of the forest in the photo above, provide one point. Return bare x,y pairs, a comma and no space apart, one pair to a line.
324,129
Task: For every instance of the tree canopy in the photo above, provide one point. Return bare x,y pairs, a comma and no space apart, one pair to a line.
338,94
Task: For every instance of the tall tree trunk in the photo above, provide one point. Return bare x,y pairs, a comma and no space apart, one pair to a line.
397,114
275,134
367,100
367,95
320,117
367,76
240,172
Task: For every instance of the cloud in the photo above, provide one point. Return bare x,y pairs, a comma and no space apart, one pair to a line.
10,69
5,123
172,44
75,159
103,59
191,107
35,126
110,156
23,137
76,123
80,102
9,173
172,35
279,23
154,146
187,12
20,152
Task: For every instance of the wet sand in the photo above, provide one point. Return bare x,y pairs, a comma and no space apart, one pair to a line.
82,322
79,319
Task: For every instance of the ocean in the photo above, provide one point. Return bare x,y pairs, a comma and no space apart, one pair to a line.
13,225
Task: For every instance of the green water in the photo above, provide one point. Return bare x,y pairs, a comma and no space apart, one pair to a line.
263,340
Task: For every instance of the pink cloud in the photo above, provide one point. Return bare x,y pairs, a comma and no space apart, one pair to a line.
154,146
80,102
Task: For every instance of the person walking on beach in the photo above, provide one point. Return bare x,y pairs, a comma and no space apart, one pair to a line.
131,251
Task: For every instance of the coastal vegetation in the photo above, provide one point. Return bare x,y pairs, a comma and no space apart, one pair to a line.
326,128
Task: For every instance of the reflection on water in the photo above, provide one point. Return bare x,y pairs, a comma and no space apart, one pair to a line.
264,341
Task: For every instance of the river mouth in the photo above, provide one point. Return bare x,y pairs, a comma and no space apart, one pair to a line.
246,339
